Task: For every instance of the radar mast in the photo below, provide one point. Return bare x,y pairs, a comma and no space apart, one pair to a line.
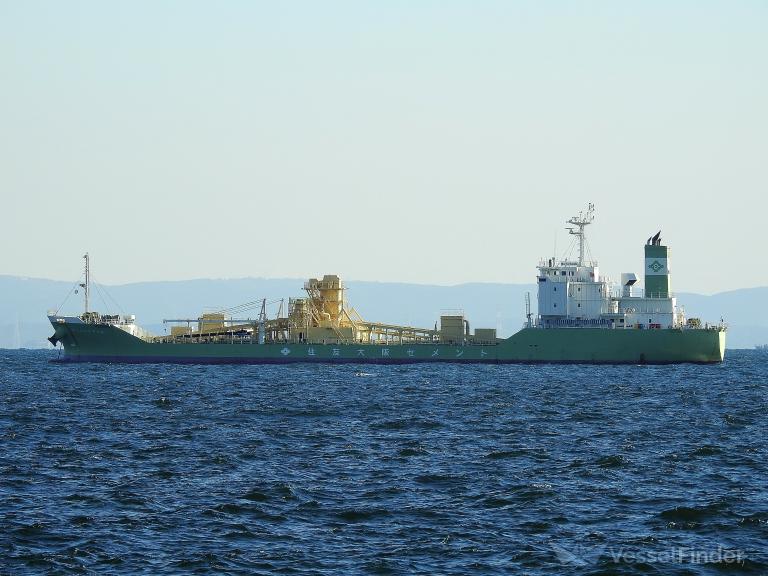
86,286
583,220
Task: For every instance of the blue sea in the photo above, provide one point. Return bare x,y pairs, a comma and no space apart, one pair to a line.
435,469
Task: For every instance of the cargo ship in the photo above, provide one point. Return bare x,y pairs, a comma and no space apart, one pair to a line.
581,317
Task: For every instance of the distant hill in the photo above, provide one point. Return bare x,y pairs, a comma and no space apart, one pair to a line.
25,301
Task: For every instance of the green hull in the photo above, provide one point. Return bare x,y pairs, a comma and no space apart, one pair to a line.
107,343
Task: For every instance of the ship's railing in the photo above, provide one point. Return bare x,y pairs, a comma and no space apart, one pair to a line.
606,324
618,292
574,323
246,339
114,319
117,319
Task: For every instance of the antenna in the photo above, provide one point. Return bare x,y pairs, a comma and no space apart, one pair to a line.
554,253
87,285
528,308
263,313
583,220
262,322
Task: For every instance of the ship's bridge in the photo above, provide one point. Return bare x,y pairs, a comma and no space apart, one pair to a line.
569,290
567,271
572,293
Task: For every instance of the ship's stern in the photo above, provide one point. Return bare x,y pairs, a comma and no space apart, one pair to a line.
721,343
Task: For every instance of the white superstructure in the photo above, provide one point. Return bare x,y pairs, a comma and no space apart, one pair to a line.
572,293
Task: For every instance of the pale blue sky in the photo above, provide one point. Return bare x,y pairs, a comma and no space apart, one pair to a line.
431,142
